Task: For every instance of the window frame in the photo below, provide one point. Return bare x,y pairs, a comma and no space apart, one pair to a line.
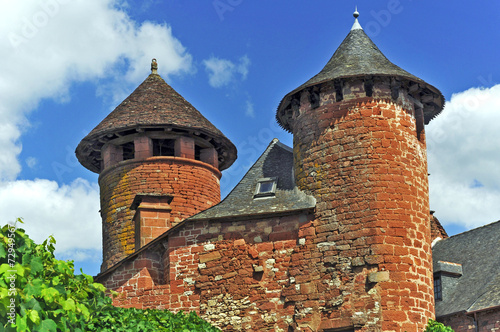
266,194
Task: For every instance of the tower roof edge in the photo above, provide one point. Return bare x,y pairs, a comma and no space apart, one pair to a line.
153,104
357,56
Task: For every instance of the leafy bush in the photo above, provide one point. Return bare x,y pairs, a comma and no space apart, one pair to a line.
434,326
41,293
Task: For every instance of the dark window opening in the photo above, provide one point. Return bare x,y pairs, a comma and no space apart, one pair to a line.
163,147
197,152
438,288
369,88
314,98
339,96
128,151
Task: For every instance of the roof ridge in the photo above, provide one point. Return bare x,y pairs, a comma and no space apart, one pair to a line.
470,230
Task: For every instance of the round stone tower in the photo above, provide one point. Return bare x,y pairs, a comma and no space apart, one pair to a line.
359,148
159,161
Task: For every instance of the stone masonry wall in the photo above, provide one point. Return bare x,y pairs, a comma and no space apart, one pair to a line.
233,273
369,248
194,186
487,321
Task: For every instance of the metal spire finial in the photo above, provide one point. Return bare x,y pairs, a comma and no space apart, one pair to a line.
154,67
356,24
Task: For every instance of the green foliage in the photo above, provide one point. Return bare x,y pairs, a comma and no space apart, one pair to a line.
434,326
41,293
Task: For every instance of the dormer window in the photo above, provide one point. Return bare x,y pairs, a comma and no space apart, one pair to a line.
266,187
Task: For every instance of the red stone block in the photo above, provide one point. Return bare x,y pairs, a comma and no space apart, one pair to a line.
265,246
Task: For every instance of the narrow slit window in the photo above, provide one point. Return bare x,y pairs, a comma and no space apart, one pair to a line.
266,187
197,152
438,288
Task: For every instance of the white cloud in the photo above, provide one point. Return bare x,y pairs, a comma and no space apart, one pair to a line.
47,45
31,162
464,158
69,212
249,111
222,72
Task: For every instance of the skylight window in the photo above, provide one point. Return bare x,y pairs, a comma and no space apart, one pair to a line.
266,187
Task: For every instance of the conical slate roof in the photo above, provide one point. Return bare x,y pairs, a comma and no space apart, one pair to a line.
358,56
154,105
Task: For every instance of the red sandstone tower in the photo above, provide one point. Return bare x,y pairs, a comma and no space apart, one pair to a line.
159,161
359,149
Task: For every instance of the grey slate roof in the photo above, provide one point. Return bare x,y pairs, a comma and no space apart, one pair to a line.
358,56
478,251
276,161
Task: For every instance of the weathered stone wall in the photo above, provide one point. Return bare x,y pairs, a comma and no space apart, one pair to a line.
194,186
233,273
487,321
368,251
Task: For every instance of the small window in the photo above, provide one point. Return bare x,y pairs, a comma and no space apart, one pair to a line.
128,151
266,187
438,289
197,152
163,147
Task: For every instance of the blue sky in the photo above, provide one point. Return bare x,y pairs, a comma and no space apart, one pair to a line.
66,64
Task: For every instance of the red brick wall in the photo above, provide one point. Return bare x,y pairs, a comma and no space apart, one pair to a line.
369,248
194,186
487,321
232,273
151,219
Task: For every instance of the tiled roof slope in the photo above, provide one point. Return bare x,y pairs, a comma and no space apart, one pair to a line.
276,161
479,286
154,104
358,56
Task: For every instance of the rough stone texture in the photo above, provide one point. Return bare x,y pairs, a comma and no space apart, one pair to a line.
210,267
487,321
364,161
194,186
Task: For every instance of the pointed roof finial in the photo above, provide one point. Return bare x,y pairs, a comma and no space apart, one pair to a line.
356,24
154,67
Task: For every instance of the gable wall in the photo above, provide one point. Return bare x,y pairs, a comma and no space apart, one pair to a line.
235,274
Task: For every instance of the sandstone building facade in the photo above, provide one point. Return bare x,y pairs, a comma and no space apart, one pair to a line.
332,235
